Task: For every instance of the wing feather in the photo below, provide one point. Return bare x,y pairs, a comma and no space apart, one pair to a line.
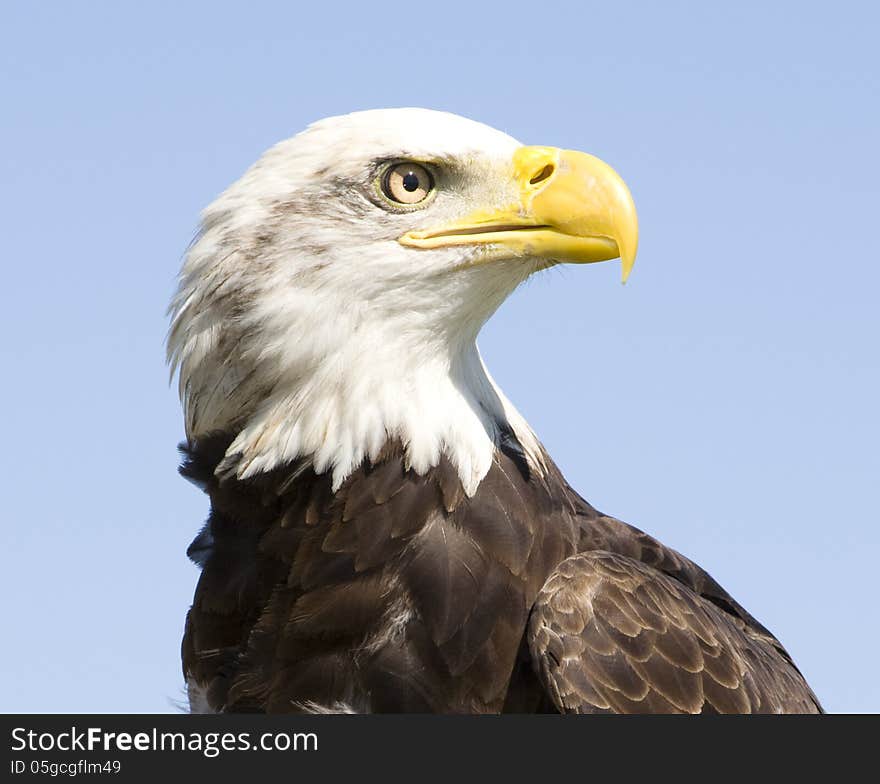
609,633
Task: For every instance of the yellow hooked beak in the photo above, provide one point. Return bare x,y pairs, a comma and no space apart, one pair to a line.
572,208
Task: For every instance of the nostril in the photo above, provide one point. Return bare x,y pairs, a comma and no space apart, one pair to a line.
542,175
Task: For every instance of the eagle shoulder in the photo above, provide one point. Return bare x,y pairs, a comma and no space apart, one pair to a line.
609,633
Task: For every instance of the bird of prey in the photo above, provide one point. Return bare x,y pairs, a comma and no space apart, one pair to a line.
386,532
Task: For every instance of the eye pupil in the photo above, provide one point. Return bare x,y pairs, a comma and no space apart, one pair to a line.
411,181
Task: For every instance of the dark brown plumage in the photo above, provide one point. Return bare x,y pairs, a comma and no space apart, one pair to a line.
400,593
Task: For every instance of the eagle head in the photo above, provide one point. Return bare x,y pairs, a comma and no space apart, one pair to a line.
331,301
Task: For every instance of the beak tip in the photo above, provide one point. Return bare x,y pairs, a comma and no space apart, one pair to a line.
626,264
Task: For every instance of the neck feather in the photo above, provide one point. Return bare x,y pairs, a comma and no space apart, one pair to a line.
346,412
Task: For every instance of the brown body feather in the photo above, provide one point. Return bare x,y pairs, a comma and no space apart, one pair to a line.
401,593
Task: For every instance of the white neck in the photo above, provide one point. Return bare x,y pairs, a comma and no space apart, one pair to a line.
358,400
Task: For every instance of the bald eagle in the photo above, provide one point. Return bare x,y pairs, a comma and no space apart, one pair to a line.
386,532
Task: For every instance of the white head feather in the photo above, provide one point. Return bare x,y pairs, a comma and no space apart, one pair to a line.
303,327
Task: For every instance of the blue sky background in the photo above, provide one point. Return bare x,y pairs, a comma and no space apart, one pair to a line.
725,400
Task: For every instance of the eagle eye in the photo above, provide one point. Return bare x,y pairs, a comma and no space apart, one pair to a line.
407,183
